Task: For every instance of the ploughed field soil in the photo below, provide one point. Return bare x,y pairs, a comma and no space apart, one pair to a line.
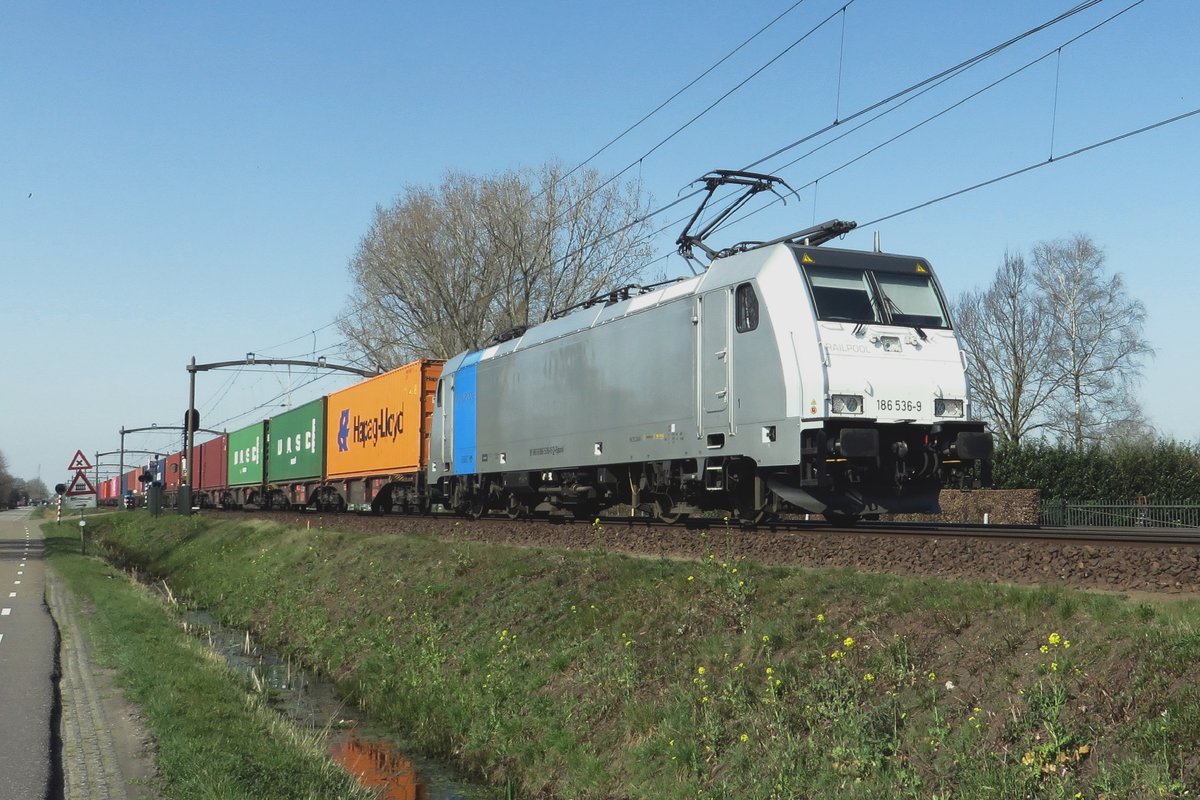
1138,568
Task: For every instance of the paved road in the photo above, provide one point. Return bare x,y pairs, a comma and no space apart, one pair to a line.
27,649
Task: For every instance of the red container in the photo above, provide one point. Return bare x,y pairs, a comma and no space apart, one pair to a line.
174,471
132,484
212,463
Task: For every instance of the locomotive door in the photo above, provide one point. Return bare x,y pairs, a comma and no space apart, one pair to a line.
713,362
443,422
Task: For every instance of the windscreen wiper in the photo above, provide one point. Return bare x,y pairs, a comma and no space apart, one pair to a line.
894,311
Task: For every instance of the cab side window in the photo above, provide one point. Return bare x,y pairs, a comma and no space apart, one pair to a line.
745,308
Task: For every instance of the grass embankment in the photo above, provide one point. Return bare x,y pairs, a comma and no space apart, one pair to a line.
215,737
589,675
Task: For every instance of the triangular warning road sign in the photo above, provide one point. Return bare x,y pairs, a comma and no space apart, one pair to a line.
79,461
80,485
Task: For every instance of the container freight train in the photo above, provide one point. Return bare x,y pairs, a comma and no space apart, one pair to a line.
360,449
787,377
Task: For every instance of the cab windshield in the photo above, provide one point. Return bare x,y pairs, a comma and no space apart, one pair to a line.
875,296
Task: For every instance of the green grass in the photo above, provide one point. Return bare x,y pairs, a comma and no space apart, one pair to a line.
215,738
589,675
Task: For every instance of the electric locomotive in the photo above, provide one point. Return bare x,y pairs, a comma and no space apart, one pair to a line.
787,377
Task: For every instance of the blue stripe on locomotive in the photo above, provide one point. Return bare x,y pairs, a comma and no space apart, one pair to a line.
464,414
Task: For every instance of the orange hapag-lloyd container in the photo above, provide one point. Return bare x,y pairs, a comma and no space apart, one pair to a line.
381,426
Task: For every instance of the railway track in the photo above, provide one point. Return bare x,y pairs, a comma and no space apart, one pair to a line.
1137,560
1136,536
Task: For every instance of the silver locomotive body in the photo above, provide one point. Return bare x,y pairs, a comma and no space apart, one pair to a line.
784,378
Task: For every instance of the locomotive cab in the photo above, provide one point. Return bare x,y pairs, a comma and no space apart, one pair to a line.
885,408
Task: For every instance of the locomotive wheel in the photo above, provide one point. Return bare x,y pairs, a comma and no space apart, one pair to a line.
585,511
750,518
476,507
663,505
516,509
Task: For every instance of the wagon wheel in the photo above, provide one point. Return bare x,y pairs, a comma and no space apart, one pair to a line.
841,519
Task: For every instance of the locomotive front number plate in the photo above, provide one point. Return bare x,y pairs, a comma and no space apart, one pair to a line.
898,405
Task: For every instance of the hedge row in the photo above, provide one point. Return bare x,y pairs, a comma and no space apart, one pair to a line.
1162,472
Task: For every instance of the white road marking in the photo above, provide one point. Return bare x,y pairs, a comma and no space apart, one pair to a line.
4,612
12,594
1,637
16,583
19,572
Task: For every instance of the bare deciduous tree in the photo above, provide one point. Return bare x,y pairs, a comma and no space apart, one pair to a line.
1098,345
444,269
1009,344
37,489
1057,347
6,481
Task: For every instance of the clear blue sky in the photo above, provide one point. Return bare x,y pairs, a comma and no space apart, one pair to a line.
182,179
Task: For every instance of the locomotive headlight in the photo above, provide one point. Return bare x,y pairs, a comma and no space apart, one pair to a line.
947,408
846,403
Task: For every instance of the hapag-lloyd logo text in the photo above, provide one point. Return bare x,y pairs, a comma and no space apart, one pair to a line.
387,425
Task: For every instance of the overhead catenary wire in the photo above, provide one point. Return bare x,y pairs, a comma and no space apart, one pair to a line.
1039,165
264,405
1013,73
957,68
687,86
695,118
915,88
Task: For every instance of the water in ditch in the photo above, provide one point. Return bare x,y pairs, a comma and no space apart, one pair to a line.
311,702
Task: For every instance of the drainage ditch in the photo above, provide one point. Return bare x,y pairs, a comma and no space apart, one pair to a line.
365,749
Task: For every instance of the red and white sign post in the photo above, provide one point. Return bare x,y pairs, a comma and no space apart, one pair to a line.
80,492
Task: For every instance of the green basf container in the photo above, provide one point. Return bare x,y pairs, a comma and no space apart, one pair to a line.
296,443
246,450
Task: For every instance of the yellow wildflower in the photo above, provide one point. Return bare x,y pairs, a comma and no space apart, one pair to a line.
700,670
744,738
848,642
820,617
1054,639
